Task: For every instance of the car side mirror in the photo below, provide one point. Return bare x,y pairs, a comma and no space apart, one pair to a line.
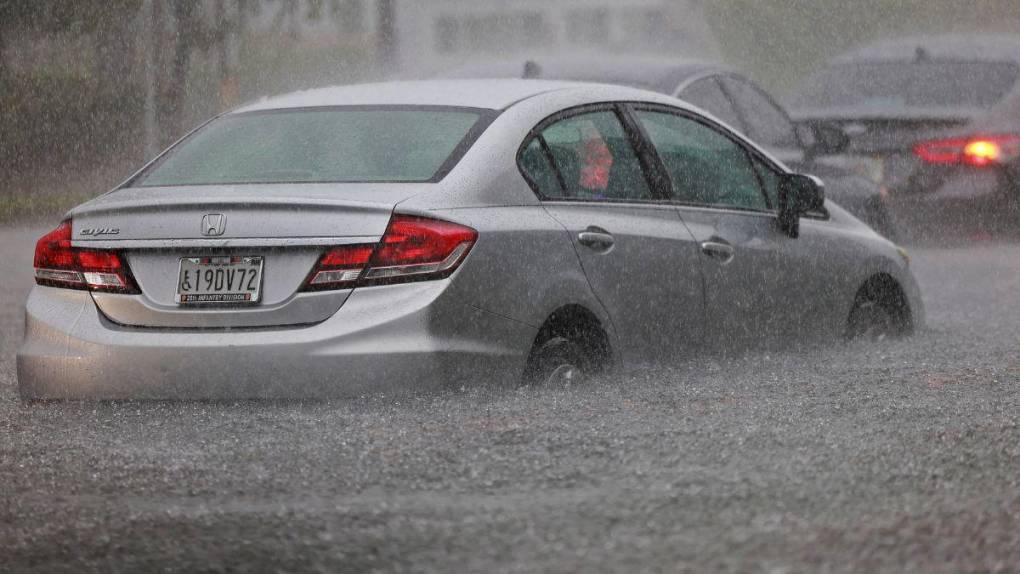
828,140
798,194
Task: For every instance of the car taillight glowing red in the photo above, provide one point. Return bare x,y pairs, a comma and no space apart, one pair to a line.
413,248
59,264
982,152
978,151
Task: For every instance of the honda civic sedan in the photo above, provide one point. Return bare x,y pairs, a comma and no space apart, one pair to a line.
399,237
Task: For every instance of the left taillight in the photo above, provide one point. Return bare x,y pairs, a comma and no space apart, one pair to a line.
978,151
412,249
59,264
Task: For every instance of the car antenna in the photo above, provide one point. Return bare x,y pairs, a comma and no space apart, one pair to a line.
531,70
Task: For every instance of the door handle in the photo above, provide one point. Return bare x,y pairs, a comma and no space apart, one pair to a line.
600,239
718,250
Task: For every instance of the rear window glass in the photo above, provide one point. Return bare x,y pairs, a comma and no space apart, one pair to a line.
928,84
319,146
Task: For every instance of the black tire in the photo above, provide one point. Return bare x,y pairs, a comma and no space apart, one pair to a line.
870,321
875,316
558,361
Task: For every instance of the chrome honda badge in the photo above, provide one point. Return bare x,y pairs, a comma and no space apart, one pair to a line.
214,224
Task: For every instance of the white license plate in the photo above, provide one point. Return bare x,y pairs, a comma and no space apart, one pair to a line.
219,279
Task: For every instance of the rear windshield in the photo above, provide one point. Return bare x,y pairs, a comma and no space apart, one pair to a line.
928,84
321,145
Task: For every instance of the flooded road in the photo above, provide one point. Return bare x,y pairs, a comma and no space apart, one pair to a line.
880,456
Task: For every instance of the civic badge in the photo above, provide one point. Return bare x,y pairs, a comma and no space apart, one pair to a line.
214,224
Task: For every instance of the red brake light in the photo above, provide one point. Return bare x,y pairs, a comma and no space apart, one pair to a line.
58,264
412,248
982,152
976,152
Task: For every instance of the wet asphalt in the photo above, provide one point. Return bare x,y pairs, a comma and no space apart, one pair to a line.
889,456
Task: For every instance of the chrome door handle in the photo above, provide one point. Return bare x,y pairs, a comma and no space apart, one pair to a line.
722,252
596,239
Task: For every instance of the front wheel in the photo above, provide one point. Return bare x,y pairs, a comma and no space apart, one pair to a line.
872,320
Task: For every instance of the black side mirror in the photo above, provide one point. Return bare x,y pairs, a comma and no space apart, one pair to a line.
828,140
798,194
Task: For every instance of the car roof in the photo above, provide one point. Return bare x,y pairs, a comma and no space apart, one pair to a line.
947,46
488,94
652,73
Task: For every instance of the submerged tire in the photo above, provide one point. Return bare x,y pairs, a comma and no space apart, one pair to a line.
558,361
877,315
869,320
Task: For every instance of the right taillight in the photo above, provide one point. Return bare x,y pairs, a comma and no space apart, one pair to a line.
413,248
58,264
979,151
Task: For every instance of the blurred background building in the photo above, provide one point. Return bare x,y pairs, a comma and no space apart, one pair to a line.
445,33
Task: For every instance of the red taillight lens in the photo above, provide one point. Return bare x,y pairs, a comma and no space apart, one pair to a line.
977,151
53,250
943,152
412,248
58,264
340,267
417,240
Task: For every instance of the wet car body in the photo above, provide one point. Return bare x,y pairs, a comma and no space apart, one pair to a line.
621,272
934,119
728,95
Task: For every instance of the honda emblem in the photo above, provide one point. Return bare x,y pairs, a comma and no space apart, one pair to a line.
214,224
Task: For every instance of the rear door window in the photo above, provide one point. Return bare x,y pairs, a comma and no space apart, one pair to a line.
592,159
705,166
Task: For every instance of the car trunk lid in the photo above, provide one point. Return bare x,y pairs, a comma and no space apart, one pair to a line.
881,143
287,227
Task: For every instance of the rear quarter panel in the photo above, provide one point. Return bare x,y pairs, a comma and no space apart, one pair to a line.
523,266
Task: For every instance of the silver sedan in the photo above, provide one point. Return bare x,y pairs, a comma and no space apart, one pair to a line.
395,237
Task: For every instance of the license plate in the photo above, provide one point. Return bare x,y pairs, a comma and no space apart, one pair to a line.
221,279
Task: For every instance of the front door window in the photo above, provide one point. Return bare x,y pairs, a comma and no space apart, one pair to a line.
705,167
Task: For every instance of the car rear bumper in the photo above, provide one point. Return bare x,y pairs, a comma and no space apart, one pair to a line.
393,339
967,199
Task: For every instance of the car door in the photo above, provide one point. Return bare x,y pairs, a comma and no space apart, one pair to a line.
761,285
641,262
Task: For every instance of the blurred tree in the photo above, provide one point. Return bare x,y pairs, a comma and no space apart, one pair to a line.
3,61
53,114
386,38
186,37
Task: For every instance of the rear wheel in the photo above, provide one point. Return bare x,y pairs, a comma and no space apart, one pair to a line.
558,361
